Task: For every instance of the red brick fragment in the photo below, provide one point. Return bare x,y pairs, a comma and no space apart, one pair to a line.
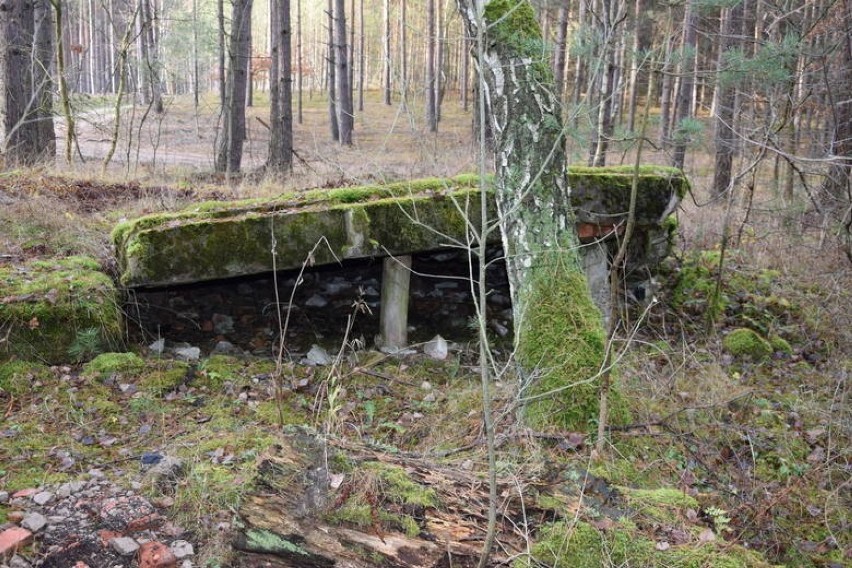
13,539
28,492
156,555
151,521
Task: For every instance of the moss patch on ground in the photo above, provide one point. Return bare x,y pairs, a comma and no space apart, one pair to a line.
46,306
748,344
21,377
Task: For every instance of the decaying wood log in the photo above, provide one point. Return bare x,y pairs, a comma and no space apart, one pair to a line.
323,503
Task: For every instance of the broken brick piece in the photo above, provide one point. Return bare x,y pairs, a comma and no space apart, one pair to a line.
156,555
13,539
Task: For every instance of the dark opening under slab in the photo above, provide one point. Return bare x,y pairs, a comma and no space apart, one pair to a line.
245,312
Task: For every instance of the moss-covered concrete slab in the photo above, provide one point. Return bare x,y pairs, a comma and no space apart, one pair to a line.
223,239
57,310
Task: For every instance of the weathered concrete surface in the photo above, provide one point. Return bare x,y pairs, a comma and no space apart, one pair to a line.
56,310
219,240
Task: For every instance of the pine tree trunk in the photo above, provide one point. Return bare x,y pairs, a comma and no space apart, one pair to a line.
559,332
684,92
725,100
42,81
230,154
280,158
331,76
19,135
386,52
431,102
345,108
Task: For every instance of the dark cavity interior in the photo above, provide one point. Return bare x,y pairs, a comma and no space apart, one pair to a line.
244,311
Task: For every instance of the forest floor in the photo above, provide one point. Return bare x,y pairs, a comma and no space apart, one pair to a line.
724,453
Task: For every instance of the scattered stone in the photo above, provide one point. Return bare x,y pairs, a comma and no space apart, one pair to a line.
70,488
189,353
182,549
431,397
34,521
222,324
124,545
18,562
12,539
436,348
15,516
156,555
426,385
42,498
168,470
4,497
224,347
127,513
318,356
316,301
158,347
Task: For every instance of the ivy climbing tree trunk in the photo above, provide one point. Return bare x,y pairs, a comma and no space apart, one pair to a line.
559,333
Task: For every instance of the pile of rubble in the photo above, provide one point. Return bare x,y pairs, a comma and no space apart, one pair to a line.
90,523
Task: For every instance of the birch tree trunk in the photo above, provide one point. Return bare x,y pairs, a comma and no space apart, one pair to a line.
559,332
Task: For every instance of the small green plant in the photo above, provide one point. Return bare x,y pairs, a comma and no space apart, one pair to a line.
719,517
87,344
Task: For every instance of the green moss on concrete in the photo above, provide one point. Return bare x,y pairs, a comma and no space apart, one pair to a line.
45,305
563,339
747,344
106,364
18,378
601,195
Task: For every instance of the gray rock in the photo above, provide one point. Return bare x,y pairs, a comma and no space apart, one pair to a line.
224,347
18,562
318,356
70,488
158,346
4,497
189,353
124,545
33,521
222,323
182,549
316,301
436,348
167,471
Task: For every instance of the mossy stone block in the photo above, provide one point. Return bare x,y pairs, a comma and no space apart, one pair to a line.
46,304
224,239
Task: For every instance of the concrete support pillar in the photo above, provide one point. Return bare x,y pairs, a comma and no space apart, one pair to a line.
396,278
